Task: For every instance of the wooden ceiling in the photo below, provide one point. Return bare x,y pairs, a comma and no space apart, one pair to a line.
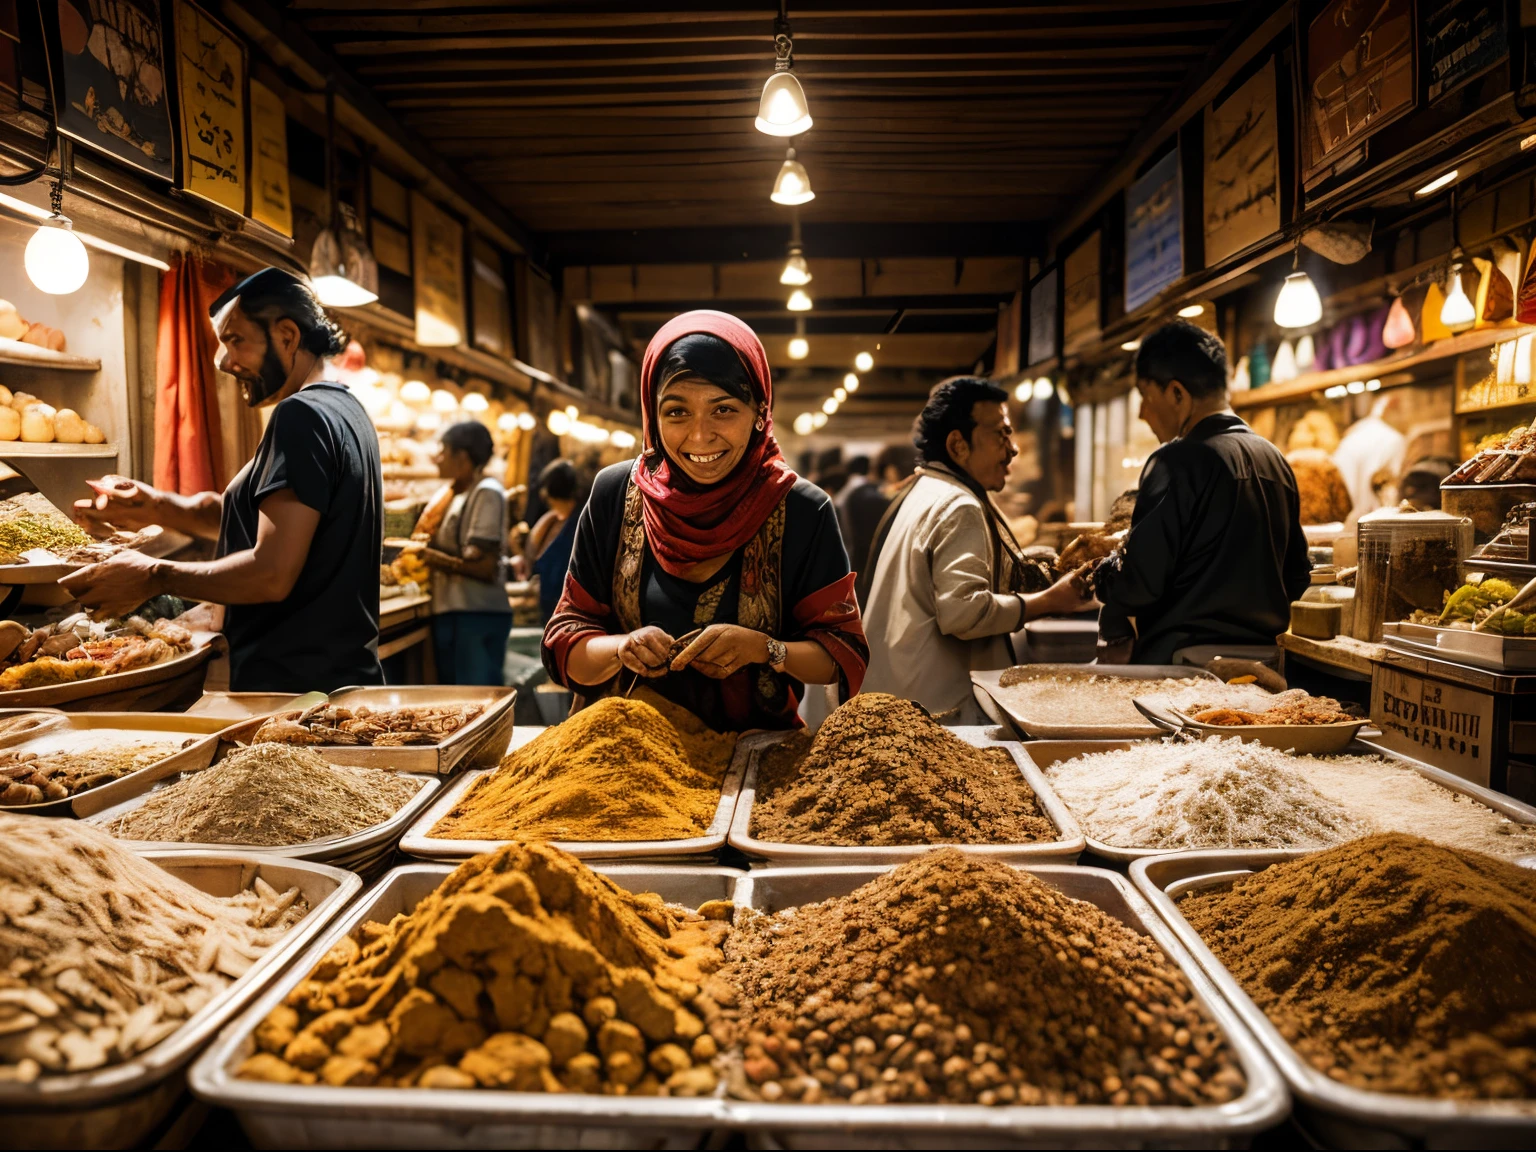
621,133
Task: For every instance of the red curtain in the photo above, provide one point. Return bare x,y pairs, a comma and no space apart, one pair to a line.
189,454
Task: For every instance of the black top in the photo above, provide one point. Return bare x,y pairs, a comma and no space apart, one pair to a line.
812,559
1215,554
325,634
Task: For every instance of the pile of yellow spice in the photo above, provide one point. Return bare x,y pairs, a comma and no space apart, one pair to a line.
620,769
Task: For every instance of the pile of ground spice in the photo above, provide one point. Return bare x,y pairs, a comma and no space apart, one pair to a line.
620,769
268,795
1222,793
881,772
1390,963
524,970
959,979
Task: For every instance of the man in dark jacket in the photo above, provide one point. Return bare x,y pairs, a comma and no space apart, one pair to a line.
1215,554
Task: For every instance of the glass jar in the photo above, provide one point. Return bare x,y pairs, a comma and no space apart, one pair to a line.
1409,561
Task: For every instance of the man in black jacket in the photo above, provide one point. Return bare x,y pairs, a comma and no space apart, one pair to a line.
1215,554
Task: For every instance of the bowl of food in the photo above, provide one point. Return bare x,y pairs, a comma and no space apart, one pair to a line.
1294,721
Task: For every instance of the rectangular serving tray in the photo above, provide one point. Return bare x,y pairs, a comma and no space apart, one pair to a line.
993,699
319,1116
420,842
1491,650
479,744
1064,850
1044,753
1343,1116
82,727
118,1106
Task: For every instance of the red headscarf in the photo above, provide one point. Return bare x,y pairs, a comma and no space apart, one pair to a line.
684,523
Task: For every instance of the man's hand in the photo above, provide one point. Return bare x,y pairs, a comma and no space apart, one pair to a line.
115,587
119,503
436,558
1060,599
722,649
644,651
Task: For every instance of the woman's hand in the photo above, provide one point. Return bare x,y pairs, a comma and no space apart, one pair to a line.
722,649
644,651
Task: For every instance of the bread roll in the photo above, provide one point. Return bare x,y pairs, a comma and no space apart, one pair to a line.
94,435
12,326
68,428
37,425
10,424
5,396
20,400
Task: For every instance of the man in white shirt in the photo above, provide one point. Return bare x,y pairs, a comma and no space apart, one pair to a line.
947,588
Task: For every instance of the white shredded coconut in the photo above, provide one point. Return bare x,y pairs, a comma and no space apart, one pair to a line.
1085,699
1224,793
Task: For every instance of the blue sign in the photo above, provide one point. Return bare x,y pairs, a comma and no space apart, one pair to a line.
1154,232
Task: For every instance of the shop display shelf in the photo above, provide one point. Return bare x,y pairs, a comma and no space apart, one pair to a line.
17,354
1340,1115
991,696
117,1107
1064,850
832,1125
319,1116
1044,753
420,842
19,449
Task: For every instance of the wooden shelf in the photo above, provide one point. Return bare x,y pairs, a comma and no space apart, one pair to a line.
1304,386
20,449
1499,405
14,352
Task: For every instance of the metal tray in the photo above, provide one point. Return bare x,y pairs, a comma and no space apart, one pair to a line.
1302,739
1491,650
1047,752
234,707
1340,1115
204,645
419,840
479,744
203,729
366,852
120,1105
1063,851
1261,1105
989,694
318,1116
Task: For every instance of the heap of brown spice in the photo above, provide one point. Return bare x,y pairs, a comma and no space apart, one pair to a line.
1391,963
881,772
524,970
957,979
620,769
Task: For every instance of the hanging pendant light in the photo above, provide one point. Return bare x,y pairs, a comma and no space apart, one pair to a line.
1306,354
798,301
782,110
1284,367
863,361
55,259
341,266
795,273
799,346
1457,313
793,185
1298,304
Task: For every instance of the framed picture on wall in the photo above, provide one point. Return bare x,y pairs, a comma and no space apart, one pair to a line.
1154,231
107,70
210,65
271,194
1358,75
1042,317
1080,296
1242,167
1462,40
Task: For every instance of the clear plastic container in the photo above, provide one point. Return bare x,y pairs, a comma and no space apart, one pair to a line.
1409,561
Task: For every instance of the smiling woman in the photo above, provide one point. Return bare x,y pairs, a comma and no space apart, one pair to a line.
711,538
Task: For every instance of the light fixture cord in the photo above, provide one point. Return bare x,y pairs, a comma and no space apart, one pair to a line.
783,40
56,198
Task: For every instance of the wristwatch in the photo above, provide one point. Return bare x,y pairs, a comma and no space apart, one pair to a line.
778,652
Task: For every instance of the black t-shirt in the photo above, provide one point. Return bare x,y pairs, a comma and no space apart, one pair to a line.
325,634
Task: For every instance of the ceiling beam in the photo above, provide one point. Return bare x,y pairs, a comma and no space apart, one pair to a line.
831,241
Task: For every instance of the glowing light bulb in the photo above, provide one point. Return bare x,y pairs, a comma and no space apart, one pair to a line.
559,423
475,402
829,405
415,392
526,422
1298,304
1192,311
863,361
1457,313
819,420
796,272
1043,388
444,400
1023,391
799,348
799,301
55,259
429,421
839,395
1130,346
507,422
782,110
851,382
805,423
792,185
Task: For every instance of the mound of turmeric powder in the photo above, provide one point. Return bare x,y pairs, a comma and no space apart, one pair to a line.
621,769
525,970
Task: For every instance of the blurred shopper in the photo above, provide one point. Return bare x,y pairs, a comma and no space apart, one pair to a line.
465,531
894,466
860,505
1215,554
548,550
948,584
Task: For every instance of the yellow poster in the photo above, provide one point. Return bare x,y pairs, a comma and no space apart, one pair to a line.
437,243
270,201
211,68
